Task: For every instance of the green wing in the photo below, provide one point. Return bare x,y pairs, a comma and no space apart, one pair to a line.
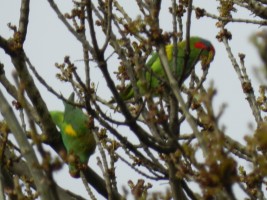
75,117
200,49
153,58
76,134
183,70
128,93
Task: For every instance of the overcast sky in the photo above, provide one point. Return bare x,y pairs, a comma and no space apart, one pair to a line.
48,41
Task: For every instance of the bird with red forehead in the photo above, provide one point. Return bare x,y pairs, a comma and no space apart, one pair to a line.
200,50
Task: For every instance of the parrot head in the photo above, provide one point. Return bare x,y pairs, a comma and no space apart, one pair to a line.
207,52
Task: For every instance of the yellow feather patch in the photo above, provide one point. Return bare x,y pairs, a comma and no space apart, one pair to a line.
168,49
70,131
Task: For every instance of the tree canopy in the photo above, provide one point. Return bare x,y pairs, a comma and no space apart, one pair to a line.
167,133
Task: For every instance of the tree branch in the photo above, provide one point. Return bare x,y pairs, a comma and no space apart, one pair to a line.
42,183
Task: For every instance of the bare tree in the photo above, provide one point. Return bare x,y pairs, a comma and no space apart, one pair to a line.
162,152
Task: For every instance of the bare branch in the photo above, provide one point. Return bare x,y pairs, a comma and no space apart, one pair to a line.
41,181
245,82
24,18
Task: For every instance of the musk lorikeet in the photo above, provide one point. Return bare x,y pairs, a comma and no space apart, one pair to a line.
76,135
200,50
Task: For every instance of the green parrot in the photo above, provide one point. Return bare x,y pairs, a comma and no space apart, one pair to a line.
76,135
200,50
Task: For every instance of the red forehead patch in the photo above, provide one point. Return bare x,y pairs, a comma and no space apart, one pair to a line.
201,45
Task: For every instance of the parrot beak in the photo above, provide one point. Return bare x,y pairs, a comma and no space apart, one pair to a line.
207,59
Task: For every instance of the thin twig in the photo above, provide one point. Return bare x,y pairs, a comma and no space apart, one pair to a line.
24,19
87,187
245,83
42,184
235,20
105,171
69,27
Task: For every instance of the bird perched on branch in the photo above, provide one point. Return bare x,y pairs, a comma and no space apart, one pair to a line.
200,50
76,134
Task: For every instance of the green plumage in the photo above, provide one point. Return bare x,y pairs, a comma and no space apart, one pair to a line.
200,50
76,134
